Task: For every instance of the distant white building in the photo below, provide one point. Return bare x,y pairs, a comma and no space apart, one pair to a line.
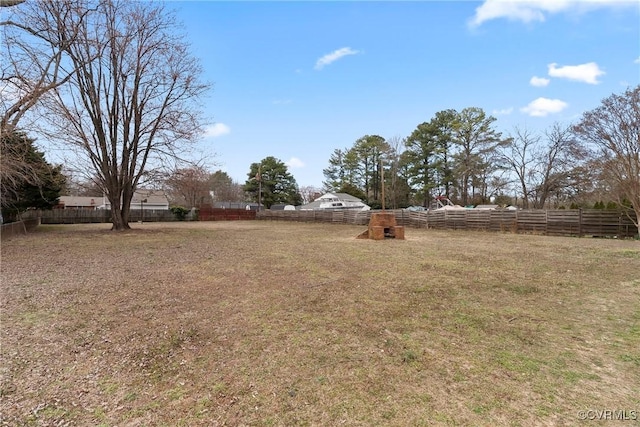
143,199
336,201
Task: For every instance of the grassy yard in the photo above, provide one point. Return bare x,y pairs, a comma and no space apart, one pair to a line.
260,323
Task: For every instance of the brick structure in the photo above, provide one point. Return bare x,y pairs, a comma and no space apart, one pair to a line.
383,225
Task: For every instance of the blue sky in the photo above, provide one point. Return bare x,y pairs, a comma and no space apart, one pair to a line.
297,79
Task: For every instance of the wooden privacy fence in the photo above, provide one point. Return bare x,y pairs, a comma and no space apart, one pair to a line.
207,213
18,228
84,216
347,216
564,222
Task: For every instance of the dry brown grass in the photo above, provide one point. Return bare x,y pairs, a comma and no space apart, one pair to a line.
274,323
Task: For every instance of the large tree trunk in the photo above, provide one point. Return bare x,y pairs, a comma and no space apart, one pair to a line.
120,200
525,192
117,220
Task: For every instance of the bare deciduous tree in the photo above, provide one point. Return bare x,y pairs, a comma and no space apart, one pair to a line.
309,193
555,161
130,99
189,186
518,157
541,166
613,131
396,147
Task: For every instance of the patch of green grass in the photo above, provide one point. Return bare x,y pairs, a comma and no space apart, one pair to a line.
481,409
523,289
518,363
409,356
635,359
35,317
388,415
544,411
108,386
99,414
176,393
203,406
573,377
143,409
51,412
130,397
629,253
219,387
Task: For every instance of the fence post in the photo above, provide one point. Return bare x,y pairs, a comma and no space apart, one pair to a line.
579,222
546,222
446,222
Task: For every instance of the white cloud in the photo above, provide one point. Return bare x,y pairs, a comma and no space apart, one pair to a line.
542,107
502,112
216,130
295,163
637,61
536,10
586,73
334,56
539,81
494,9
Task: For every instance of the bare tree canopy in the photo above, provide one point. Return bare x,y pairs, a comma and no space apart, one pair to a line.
31,67
189,187
32,64
130,98
540,165
613,130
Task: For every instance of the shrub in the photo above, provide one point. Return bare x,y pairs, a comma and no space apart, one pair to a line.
612,206
180,212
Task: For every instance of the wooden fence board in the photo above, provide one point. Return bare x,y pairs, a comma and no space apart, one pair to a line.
401,218
603,223
455,219
337,217
478,219
417,219
563,222
503,220
531,221
436,219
